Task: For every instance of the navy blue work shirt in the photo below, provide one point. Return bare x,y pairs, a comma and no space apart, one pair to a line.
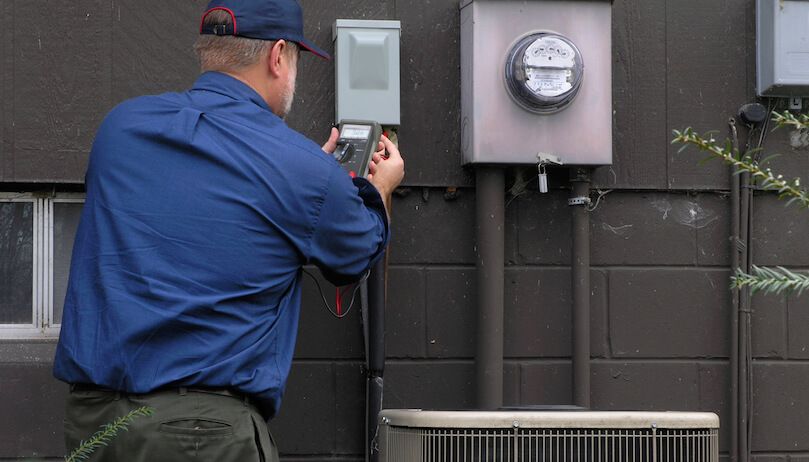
201,209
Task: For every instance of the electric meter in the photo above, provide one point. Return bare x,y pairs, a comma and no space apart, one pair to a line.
544,72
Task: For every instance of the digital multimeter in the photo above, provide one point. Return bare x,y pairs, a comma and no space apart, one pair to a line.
357,143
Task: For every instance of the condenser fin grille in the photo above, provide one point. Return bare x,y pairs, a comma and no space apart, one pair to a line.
525,440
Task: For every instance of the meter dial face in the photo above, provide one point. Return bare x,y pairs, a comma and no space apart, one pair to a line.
544,72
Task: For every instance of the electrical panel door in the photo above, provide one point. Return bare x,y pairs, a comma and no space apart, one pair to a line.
367,70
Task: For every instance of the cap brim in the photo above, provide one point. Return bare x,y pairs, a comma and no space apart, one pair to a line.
310,47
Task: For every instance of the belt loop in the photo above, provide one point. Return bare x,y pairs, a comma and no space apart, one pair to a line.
182,390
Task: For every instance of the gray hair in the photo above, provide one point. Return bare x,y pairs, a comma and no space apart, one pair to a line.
228,52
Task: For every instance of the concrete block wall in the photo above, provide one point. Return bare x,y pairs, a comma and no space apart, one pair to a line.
660,316
659,242
660,252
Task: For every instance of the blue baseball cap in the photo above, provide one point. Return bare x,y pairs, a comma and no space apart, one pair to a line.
263,20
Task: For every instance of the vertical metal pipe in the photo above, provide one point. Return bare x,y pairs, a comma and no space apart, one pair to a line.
735,212
580,270
747,322
744,310
376,288
490,224
376,355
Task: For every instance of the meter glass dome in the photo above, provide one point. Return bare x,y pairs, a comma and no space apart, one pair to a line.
544,72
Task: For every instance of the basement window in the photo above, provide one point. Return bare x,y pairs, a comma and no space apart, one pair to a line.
36,241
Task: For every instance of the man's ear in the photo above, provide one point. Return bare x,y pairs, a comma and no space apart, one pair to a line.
275,63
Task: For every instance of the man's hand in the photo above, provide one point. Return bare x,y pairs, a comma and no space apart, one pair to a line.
386,170
331,144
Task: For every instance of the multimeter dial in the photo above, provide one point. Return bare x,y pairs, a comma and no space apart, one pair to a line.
356,145
344,152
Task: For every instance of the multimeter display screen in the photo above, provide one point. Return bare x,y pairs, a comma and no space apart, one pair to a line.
355,132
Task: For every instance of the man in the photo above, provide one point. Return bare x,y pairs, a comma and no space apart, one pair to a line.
201,209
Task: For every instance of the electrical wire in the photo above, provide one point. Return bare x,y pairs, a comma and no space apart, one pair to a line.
520,185
340,293
601,195
748,331
763,131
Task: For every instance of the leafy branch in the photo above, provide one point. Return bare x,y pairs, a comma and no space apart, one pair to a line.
767,280
745,163
771,280
107,432
788,119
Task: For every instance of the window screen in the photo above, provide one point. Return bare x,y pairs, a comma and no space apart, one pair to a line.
65,221
16,262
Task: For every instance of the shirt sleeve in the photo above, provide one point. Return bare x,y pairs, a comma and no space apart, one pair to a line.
352,229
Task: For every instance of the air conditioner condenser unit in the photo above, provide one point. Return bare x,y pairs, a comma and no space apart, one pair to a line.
548,436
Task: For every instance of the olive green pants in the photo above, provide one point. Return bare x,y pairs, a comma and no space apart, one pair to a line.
198,425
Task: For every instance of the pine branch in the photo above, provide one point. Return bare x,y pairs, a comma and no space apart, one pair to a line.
786,189
771,280
787,119
106,434
767,280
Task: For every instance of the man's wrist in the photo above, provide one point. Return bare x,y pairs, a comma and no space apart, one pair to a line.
385,194
383,190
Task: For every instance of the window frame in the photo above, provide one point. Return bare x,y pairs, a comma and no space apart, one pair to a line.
43,258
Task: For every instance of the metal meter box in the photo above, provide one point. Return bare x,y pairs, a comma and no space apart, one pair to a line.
536,79
367,70
782,33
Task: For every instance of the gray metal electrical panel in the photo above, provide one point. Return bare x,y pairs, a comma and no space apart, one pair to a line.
367,70
536,81
782,33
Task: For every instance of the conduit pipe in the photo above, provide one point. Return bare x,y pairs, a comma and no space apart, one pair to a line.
744,358
377,297
744,319
735,243
490,224
754,116
580,271
375,355
490,264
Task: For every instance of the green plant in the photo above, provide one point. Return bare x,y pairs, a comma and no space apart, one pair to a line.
772,280
107,432
768,280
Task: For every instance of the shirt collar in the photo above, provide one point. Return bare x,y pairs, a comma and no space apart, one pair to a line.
224,84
